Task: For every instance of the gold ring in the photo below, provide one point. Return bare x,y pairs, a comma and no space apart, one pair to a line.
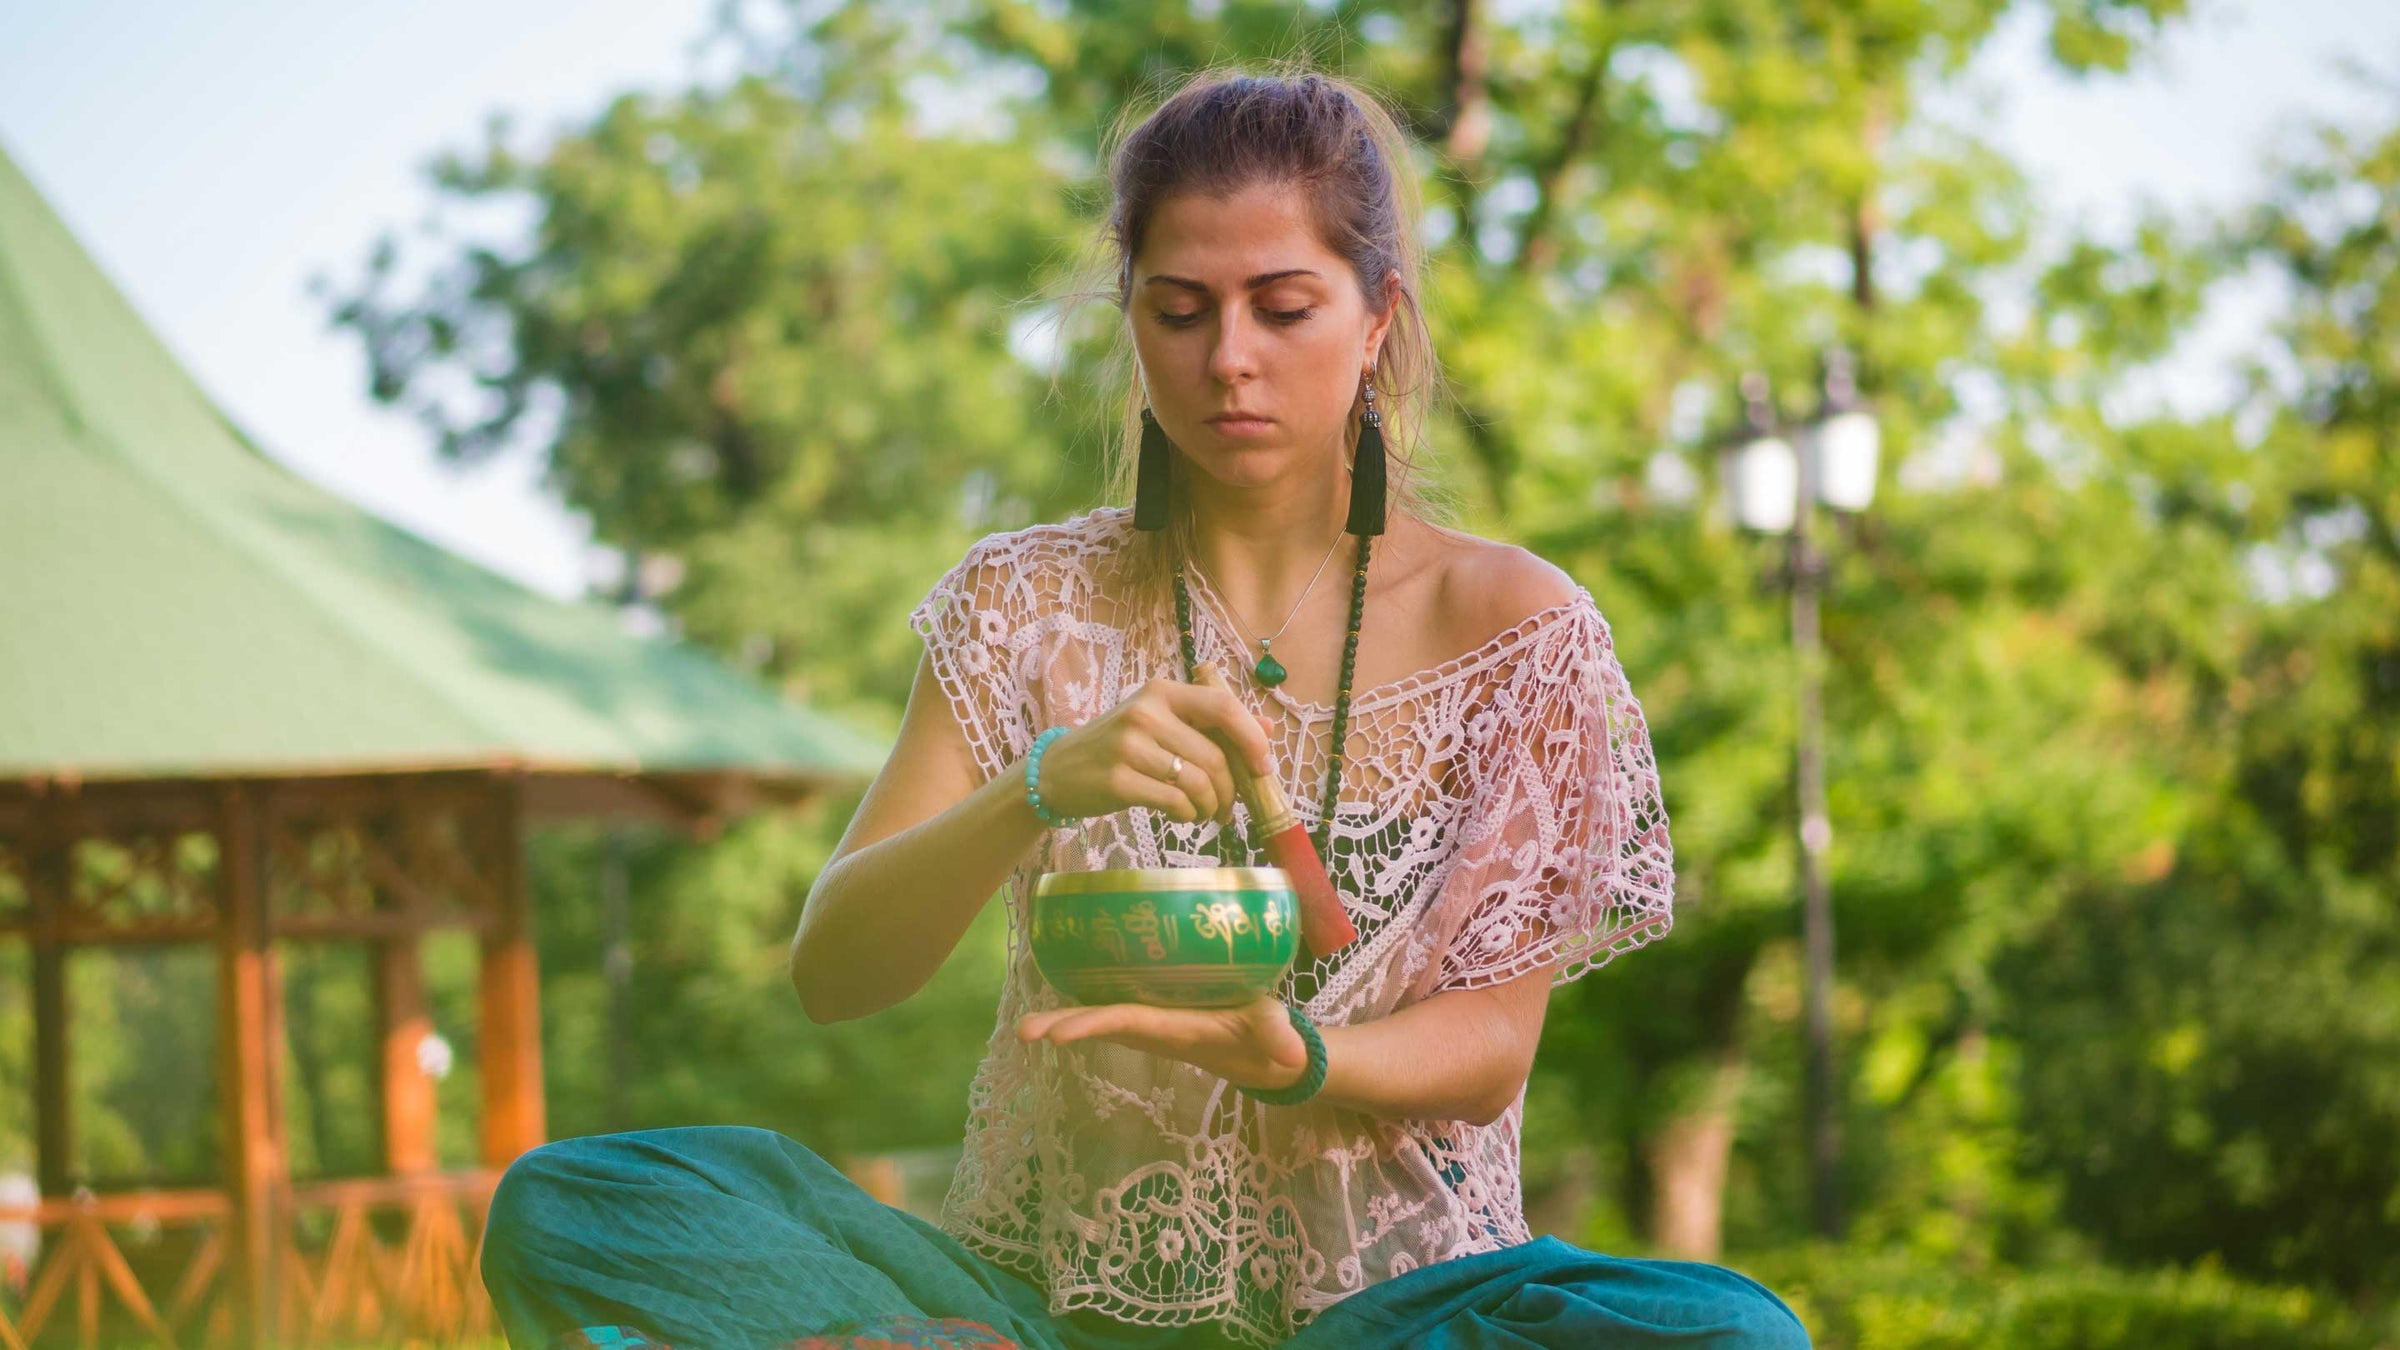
1175,770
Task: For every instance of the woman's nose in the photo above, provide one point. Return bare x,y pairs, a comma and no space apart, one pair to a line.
1235,356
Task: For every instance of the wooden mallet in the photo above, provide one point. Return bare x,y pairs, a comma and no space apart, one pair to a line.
1324,925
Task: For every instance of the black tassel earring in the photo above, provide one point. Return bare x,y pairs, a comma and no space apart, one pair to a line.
1366,468
1150,476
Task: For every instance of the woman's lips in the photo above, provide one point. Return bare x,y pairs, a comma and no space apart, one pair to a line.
1241,425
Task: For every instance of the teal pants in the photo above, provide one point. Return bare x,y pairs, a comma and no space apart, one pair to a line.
726,1238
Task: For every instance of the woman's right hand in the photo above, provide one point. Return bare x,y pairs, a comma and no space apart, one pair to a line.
1124,757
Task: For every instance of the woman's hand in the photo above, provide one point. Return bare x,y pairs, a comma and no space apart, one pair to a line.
1252,1046
1126,756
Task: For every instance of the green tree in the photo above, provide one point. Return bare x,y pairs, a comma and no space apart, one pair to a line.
761,333
2219,1042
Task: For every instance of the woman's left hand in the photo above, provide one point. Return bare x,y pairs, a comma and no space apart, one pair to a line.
1252,1046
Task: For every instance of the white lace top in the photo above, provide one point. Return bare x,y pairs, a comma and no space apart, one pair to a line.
1500,812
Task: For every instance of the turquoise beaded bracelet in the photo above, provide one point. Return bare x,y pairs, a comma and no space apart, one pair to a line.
1033,778
1312,1078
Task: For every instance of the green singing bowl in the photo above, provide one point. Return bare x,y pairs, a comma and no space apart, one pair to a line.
1176,937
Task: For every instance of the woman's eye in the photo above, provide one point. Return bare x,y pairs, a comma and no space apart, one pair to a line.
1173,320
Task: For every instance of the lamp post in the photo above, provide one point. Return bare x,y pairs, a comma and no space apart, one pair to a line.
1776,477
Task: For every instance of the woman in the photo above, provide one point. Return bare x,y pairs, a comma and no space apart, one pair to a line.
1132,1176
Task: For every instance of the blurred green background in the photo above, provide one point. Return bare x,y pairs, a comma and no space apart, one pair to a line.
2113,694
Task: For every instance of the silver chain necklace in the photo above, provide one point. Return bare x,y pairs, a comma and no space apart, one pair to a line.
1270,672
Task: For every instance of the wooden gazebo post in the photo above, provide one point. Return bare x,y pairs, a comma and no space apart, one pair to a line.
513,1115
405,1022
249,1049
53,1126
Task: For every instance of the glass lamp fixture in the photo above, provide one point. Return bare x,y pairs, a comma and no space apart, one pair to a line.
1762,480
1847,444
1842,443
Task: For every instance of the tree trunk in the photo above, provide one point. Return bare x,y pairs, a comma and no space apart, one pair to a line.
1688,1157
1559,1209
1468,128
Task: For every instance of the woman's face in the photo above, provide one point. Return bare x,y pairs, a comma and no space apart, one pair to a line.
1252,334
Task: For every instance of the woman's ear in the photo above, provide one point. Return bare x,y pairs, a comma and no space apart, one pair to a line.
1382,324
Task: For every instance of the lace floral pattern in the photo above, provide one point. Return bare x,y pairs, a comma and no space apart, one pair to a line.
1500,813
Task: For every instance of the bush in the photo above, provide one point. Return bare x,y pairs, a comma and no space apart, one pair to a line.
1858,1300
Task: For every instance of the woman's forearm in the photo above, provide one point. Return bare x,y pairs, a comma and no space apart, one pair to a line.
1460,1055
879,921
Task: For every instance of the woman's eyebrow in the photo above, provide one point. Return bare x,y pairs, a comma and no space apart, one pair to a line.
1262,279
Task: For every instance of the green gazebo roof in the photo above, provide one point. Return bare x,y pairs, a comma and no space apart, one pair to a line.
173,603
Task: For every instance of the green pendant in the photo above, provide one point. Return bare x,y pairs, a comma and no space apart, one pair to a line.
1270,672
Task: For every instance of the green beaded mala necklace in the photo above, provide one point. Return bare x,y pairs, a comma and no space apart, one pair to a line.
1322,836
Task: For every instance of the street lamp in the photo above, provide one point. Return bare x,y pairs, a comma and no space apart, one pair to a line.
1776,476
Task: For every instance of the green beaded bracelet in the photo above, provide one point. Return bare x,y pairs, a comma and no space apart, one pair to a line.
1033,778
1312,1078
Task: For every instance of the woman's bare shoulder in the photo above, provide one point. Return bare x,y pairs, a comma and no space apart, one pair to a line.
1486,587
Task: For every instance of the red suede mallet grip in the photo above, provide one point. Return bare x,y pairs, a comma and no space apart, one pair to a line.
1324,925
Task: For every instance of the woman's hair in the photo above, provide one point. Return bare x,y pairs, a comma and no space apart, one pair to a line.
1224,131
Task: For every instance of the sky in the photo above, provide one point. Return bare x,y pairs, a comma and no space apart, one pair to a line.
215,156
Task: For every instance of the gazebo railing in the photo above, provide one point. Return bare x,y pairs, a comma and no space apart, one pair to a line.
360,1262
387,1261
243,868
140,1267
